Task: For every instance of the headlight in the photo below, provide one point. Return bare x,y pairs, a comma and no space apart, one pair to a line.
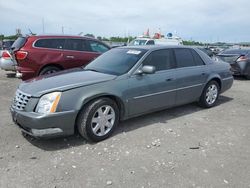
48,103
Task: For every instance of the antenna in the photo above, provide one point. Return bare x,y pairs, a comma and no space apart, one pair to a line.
43,25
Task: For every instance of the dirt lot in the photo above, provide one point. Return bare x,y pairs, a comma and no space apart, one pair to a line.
182,147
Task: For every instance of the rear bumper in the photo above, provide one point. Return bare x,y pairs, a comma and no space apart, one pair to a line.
241,68
7,64
45,126
226,84
25,73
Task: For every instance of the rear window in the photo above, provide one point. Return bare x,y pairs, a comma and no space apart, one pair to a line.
50,43
19,42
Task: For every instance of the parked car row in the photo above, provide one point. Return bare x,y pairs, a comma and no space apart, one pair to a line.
239,60
122,83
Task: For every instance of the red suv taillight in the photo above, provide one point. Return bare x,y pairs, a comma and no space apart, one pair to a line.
242,58
21,55
6,55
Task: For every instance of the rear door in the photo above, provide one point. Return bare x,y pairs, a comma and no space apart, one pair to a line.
77,53
191,74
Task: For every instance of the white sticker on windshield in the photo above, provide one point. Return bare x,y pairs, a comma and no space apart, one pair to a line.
136,52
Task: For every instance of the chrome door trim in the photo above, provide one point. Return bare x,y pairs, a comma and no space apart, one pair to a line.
181,88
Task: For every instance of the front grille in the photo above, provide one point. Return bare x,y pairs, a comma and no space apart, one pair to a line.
20,100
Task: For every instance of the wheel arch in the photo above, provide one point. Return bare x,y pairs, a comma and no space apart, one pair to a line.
215,78
51,65
115,98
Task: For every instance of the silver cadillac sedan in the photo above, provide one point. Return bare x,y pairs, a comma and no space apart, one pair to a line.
122,83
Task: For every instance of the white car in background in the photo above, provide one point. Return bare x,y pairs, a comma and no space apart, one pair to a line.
6,61
160,41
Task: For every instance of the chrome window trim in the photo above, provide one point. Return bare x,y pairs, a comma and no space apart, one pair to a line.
87,40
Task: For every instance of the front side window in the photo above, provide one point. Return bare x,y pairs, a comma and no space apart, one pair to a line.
184,58
150,42
76,45
97,47
50,43
160,59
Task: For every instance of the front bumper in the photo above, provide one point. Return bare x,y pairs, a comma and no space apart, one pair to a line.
45,126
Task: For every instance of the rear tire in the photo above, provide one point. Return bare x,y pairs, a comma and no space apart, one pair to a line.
209,95
49,70
97,121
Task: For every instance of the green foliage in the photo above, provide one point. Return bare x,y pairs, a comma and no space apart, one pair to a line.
90,35
121,39
10,37
192,43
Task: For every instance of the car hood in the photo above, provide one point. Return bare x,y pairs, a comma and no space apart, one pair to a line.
62,81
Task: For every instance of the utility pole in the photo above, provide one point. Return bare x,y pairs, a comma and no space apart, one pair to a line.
43,25
62,30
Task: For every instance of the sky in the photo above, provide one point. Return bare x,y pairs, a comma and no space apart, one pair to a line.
199,20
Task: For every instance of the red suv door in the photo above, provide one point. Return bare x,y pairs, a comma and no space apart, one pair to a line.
77,53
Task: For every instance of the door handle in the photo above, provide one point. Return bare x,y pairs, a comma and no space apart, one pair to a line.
169,79
70,56
203,74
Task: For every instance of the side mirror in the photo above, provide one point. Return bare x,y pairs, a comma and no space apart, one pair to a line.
147,69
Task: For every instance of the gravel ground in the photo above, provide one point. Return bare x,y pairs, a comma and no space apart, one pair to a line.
182,147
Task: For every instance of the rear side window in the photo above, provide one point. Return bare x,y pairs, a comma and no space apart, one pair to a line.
197,58
184,58
19,42
50,43
97,47
160,59
76,45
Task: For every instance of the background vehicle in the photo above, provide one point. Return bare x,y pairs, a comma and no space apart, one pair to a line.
7,63
206,50
40,55
239,59
122,83
153,41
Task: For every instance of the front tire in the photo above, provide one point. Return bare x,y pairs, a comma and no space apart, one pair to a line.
97,121
210,94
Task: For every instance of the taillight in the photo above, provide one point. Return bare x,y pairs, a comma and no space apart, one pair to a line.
242,58
6,55
21,55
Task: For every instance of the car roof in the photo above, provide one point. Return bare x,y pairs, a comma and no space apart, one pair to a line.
61,36
154,47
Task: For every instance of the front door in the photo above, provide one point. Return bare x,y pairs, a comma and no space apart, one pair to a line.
149,92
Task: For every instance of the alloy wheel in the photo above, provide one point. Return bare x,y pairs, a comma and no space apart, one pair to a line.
103,120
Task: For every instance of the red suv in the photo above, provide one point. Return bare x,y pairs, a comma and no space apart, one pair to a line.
40,55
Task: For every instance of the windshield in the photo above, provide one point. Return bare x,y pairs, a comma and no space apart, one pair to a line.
117,61
138,42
